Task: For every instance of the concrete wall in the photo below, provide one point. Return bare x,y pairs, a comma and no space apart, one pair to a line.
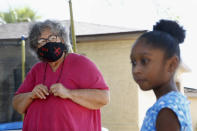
112,58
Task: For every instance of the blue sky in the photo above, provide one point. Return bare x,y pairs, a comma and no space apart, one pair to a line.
140,14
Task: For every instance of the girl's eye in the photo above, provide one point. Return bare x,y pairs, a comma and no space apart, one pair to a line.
144,61
133,62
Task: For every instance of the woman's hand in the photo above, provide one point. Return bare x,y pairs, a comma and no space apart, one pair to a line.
89,98
59,90
40,91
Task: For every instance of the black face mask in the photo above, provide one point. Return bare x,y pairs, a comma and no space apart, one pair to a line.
51,51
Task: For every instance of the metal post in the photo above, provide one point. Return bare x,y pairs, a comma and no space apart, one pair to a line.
23,57
23,61
72,27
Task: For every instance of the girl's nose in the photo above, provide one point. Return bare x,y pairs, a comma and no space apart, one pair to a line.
136,69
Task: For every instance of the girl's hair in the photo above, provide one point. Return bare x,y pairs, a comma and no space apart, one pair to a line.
37,28
166,35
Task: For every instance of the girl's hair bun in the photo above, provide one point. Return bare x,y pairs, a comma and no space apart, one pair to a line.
172,28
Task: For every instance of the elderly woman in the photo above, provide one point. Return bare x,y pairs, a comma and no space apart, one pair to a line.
63,92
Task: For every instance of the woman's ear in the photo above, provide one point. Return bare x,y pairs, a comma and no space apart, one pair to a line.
173,64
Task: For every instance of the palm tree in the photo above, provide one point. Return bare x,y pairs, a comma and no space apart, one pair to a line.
25,14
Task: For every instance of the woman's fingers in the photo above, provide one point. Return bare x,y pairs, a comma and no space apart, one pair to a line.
40,91
59,90
44,90
54,88
39,94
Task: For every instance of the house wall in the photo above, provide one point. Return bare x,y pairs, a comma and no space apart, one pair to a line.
193,108
112,58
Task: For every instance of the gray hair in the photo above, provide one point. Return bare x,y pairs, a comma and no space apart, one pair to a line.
37,28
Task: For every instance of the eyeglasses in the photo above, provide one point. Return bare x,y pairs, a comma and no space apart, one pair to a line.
43,41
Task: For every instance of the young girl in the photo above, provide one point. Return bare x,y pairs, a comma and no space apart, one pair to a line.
155,57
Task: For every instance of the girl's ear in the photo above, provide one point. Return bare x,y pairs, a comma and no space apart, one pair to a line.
173,64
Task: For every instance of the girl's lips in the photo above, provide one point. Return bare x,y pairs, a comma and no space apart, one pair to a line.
140,81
